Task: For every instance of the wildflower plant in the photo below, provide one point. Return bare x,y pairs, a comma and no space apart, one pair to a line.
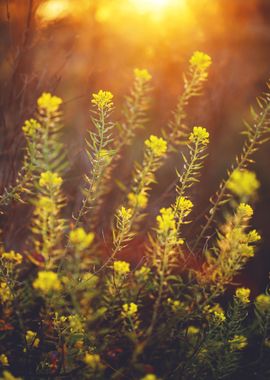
75,305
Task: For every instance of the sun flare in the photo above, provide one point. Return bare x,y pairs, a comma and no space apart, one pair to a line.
151,5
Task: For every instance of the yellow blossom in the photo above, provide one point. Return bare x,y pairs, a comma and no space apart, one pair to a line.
150,376
192,330
244,210
93,360
243,294
125,213
5,293
157,145
199,135
129,309
49,102
4,360
142,74
31,339
165,220
75,323
263,302
47,281
243,183
121,267
253,236
103,100
12,256
50,180
200,60
80,239
137,200
238,342
176,305
30,127
216,312
46,204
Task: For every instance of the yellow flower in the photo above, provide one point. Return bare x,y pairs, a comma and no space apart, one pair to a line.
129,309
238,342
243,294
121,267
137,200
12,256
49,102
192,330
5,293
92,360
263,302
47,282
200,60
46,204
244,210
4,360
75,324
50,180
165,220
125,213
80,239
243,183
216,312
157,145
103,100
199,135
31,339
150,376
142,74
184,204
253,236
176,305
30,127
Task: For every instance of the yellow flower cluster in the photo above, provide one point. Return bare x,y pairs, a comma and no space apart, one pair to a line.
12,256
30,127
4,360
125,213
47,281
157,145
121,267
50,180
31,339
243,295
199,135
150,376
5,293
46,204
238,342
6,375
80,239
263,302
103,100
244,210
216,312
129,309
243,183
175,305
92,360
192,330
142,74
166,220
200,60
137,200
183,206
75,323
49,102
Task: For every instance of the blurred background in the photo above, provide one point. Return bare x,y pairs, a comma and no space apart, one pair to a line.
73,48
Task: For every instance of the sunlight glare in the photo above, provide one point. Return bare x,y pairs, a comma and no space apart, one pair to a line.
151,5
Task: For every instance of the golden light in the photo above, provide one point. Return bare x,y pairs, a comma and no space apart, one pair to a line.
152,5
53,9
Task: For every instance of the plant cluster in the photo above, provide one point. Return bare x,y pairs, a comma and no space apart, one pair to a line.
69,312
